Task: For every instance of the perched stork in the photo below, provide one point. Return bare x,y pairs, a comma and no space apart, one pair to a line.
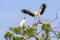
35,24
23,22
37,13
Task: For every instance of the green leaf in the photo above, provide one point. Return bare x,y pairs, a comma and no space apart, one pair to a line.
58,35
8,35
16,38
46,27
31,31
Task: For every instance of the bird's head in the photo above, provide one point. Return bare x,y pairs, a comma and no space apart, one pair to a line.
24,18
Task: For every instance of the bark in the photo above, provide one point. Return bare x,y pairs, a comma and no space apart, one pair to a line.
25,37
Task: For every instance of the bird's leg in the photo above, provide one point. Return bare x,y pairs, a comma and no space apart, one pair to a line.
35,18
38,17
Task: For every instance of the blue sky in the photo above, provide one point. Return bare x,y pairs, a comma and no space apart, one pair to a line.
10,12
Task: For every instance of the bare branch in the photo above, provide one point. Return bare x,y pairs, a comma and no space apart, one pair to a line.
38,33
55,27
50,21
54,18
25,37
54,31
53,37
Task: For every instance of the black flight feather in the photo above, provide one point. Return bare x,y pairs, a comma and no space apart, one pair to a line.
43,8
26,11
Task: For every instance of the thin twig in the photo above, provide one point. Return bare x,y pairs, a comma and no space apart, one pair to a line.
54,31
50,21
38,33
54,18
55,27
53,37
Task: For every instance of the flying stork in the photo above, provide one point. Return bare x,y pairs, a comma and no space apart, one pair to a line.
37,13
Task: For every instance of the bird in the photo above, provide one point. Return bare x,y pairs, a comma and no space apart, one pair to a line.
34,24
37,13
22,23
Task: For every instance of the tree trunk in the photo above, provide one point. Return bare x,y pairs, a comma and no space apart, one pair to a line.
25,37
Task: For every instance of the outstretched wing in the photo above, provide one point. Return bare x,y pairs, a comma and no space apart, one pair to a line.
42,8
27,11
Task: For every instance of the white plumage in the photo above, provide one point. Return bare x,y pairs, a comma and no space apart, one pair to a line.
37,13
35,23
22,23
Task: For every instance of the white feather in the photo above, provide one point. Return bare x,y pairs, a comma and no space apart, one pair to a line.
23,22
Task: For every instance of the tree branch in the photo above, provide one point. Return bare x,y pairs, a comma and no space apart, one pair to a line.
50,21
55,27
53,37
38,33
25,37
54,31
54,18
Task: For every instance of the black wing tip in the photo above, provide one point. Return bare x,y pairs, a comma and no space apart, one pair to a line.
43,9
26,11
23,10
44,5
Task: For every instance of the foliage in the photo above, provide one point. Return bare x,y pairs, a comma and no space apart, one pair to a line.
8,35
21,31
58,35
46,27
30,31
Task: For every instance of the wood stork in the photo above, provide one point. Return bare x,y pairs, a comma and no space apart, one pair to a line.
35,24
22,23
37,13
